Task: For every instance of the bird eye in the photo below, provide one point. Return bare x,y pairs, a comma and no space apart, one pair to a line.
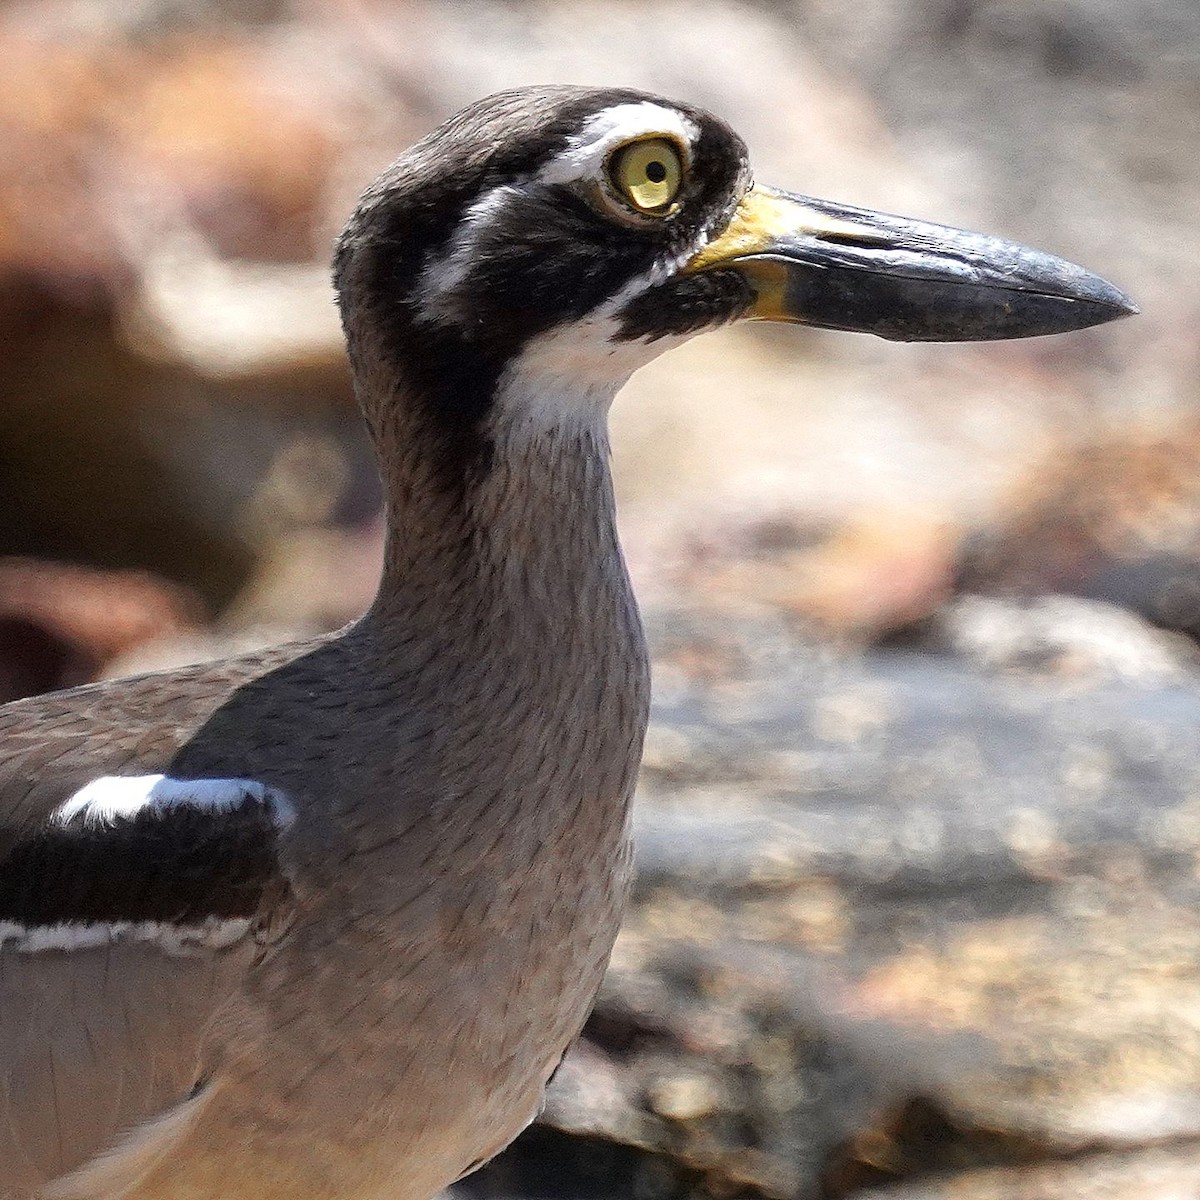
648,174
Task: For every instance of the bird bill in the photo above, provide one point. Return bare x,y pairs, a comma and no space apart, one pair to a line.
835,266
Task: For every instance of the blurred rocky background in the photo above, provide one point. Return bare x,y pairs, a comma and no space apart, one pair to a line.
919,824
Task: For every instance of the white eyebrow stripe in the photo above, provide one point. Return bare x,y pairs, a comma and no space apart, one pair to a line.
113,798
586,151
444,273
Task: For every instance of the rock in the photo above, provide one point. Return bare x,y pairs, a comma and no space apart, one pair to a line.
1061,635
1152,1174
1117,520
857,580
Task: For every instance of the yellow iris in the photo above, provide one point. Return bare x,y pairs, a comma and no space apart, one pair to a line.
648,174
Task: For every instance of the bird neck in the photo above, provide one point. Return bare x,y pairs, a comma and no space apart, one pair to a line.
526,548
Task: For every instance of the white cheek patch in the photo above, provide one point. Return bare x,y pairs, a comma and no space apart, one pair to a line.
587,151
572,373
113,798
568,375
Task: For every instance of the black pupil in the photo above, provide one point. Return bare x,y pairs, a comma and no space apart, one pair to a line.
655,171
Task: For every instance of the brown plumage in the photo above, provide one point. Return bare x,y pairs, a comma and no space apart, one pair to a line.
320,922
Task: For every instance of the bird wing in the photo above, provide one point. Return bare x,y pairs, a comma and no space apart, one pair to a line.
129,904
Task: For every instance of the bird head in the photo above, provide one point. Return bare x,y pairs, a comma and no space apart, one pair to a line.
510,271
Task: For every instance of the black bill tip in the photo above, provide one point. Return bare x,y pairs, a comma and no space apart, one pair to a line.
920,307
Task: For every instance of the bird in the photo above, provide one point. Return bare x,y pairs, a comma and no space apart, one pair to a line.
320,921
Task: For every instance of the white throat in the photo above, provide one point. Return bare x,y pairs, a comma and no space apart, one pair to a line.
565,381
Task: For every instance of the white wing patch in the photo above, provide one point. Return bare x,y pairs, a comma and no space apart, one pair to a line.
113,798
215,933
587,151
